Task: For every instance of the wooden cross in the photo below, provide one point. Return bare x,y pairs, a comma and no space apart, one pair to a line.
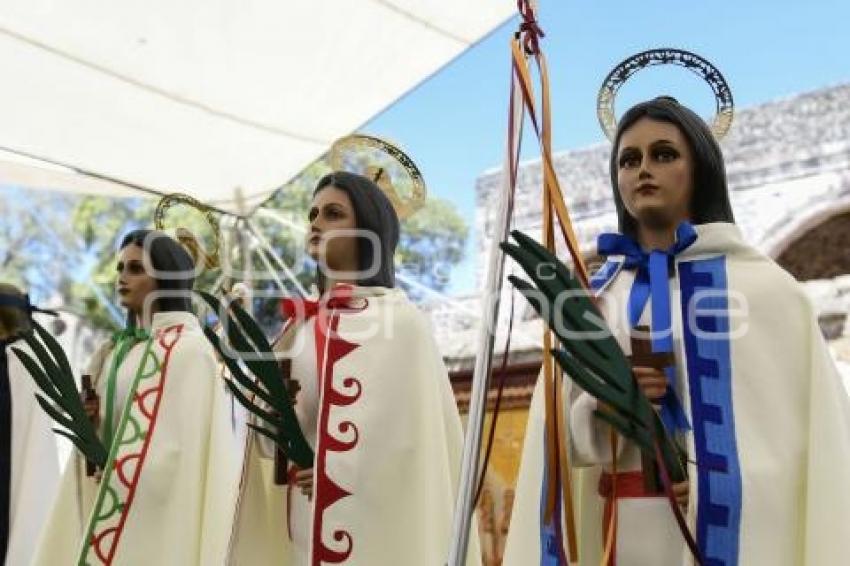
643,356
88,394
281,462
293,388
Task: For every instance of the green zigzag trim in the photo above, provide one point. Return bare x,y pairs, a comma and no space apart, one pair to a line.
97,515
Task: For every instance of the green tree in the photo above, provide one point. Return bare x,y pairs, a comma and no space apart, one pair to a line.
432,240
38,251
432,244
103,222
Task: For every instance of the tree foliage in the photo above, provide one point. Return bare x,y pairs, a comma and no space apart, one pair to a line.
91,228
432,240
38,251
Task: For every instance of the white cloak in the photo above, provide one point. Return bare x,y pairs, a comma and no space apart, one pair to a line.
770,424
387,442
151,505
227,449
35,465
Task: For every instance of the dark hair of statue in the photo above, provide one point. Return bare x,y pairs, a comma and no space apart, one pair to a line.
13,320
165,254
373,212
710,200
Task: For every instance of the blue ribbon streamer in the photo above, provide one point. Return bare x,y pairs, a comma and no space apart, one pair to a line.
651,280
551,536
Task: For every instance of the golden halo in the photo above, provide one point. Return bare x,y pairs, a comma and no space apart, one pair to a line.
385,164
618,76
185,236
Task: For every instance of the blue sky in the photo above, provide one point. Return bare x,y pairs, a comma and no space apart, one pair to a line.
453,125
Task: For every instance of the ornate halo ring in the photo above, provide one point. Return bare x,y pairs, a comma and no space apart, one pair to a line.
665,56
184,236
385,164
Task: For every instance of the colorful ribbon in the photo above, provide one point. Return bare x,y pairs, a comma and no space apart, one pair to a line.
524,47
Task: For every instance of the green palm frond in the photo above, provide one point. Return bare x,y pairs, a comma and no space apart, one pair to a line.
589,353
60,398
269,399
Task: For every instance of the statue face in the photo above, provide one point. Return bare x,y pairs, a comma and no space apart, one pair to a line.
134,283
332,239
655,174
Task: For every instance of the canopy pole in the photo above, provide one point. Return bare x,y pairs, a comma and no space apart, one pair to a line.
275,277
464,504
244,247
270,251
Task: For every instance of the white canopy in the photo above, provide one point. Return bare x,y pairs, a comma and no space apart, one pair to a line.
207,96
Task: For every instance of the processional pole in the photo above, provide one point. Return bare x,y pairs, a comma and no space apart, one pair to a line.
465,502
244,243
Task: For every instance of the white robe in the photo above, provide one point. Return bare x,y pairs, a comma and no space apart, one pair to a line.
227,448
151,505
766,405
387,439
35,465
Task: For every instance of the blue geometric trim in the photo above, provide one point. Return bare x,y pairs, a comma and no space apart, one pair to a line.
709,368
604,274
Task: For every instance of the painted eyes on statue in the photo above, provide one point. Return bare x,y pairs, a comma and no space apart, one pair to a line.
330,212
133,267
631,159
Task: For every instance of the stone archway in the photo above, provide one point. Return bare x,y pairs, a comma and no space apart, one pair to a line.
822,251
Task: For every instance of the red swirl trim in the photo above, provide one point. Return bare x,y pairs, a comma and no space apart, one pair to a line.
167,339
330,348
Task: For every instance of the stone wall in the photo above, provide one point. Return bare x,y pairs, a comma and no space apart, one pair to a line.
781,157
788,166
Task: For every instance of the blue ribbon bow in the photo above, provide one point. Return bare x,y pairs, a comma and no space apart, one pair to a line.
651,280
